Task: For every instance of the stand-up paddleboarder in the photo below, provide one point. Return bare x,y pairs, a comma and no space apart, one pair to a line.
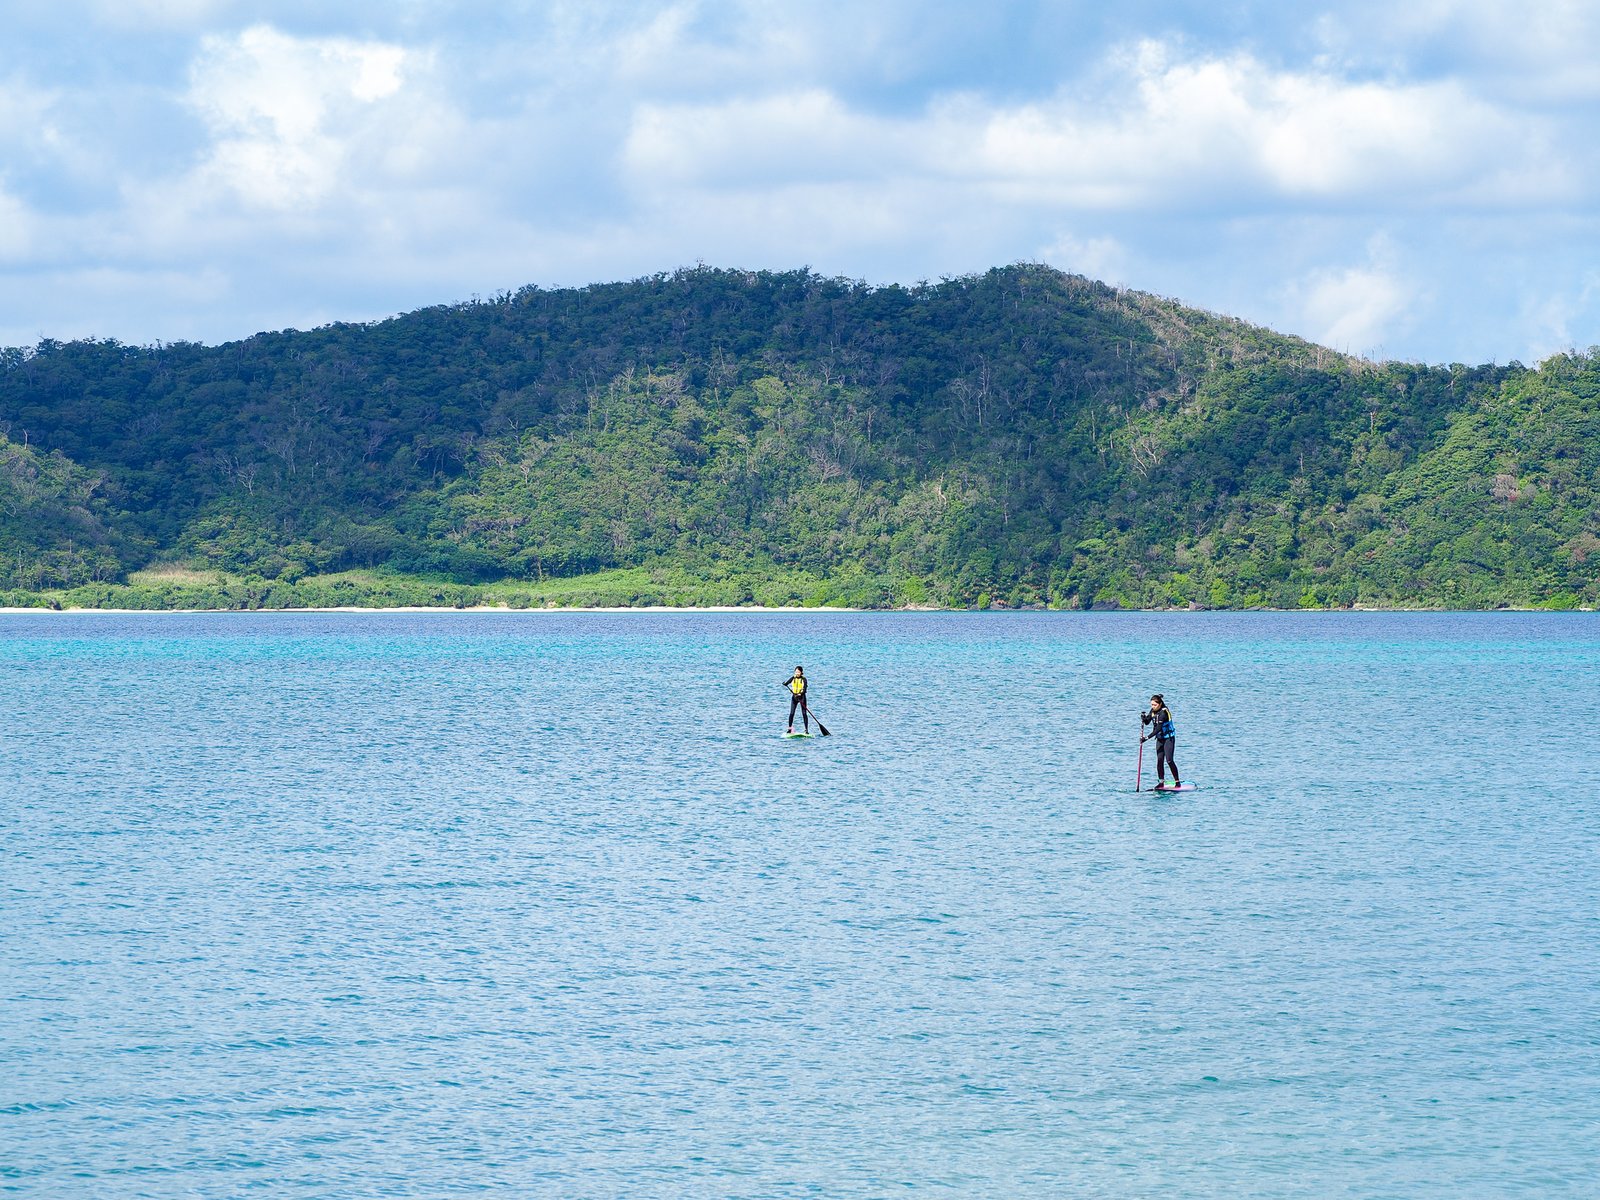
797,698
1165,735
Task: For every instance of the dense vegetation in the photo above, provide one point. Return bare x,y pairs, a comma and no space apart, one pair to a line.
1020,438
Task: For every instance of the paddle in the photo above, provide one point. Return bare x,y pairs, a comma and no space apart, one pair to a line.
1138,775
818,720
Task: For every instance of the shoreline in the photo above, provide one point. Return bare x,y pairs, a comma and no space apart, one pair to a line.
473,608
755,609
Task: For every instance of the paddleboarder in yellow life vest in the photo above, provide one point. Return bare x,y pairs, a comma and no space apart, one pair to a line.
797,698
796,686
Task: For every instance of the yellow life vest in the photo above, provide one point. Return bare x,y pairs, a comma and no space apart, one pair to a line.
797,684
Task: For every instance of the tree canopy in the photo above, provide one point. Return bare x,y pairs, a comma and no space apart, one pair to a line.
1023,437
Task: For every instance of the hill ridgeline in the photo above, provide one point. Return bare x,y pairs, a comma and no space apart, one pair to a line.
1020,438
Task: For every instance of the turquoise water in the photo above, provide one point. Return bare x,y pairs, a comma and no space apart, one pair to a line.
543,905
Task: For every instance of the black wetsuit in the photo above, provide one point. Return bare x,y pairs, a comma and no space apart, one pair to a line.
1164,745
798,700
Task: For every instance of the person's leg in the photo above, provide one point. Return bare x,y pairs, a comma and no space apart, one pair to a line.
805,713
794,703
1170,746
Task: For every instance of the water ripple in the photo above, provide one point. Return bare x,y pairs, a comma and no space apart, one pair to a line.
539,905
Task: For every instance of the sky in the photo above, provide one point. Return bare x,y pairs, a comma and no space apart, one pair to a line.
1413,180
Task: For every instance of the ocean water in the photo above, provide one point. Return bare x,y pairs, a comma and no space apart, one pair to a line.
438,905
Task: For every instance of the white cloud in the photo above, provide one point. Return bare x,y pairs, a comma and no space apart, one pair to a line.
1161,133
763,141
1358,308
1548,51
667,52
27,120
1101,258
1563,318
287,113
1179,133
700,47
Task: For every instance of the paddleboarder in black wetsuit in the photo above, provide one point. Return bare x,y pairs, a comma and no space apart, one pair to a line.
1159,718
796,685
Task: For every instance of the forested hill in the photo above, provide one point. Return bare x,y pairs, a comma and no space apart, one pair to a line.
1023,437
